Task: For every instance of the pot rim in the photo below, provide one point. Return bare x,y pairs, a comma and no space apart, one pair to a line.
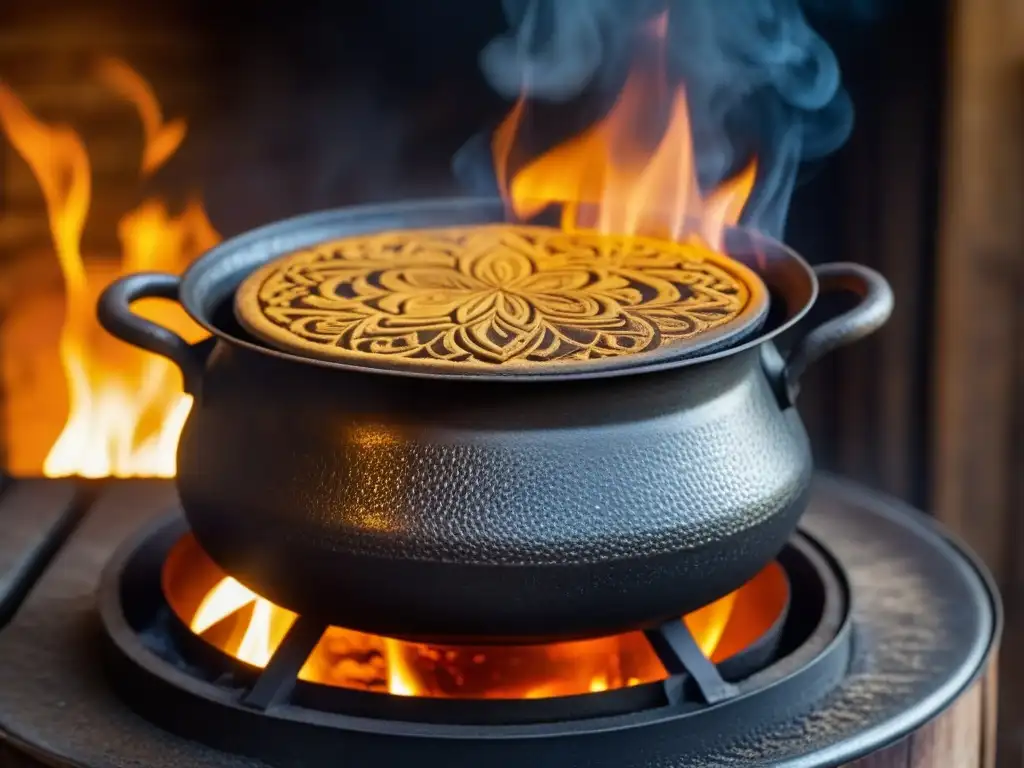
253,248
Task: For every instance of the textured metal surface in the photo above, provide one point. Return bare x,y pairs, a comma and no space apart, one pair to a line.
924,620
485,510
491,477
870,314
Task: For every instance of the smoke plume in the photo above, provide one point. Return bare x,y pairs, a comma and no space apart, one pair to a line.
758,78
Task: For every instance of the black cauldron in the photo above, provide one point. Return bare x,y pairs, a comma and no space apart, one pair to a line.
508,508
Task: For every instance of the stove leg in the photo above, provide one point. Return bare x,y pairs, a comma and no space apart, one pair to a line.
276,682
681,656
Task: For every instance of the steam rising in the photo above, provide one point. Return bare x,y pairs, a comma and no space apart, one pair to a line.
758,78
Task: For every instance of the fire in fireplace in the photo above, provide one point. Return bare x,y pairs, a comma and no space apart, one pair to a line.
125,408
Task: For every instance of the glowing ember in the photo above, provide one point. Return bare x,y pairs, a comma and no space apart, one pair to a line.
126,408
607,179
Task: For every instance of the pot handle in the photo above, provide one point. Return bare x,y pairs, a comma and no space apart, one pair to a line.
116,316
870,314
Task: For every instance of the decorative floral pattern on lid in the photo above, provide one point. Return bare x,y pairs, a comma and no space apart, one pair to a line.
496,296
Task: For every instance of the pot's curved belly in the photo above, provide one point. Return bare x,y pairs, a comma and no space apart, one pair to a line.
525,497
711,490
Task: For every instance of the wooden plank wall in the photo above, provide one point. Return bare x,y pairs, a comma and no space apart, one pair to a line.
978,477
979,317
874,203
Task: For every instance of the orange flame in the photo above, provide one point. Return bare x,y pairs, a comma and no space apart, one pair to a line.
415,669
126,408
162,139
607,179
244,625
265,629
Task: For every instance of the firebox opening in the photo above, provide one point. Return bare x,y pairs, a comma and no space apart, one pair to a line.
248,628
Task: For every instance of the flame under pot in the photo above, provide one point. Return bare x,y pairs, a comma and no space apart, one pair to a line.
492,509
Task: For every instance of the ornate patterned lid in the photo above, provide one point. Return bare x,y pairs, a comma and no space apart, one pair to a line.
499,298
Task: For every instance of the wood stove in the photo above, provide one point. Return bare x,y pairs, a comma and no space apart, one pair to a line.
883,654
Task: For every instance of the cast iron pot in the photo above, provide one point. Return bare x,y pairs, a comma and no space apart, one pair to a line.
495,508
